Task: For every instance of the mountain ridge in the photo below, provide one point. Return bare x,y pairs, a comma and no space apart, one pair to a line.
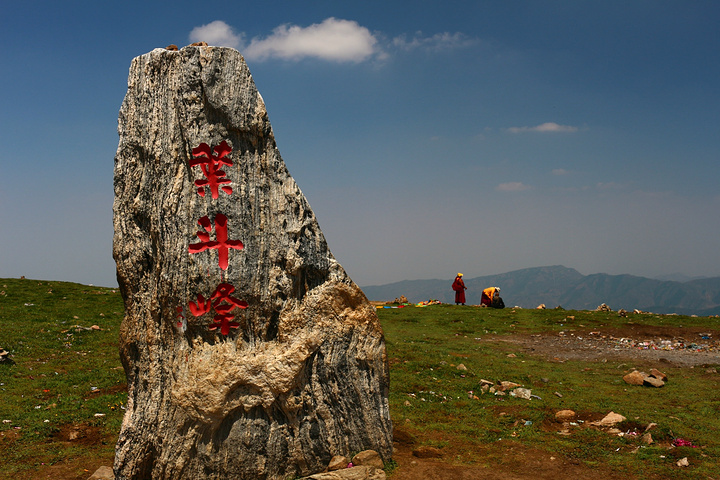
558,285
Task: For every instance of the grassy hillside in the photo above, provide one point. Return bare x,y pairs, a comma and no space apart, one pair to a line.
558,285
62,401
443,406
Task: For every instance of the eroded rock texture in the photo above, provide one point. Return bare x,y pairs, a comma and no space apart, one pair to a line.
217,390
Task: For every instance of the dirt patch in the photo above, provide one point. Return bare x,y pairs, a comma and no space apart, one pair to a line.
80,468
115,389
76,467
80,434
674,346
503,460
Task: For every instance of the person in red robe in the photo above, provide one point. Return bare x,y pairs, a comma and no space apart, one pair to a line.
459,287
491,298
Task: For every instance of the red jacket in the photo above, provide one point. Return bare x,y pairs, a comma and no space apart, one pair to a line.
459,287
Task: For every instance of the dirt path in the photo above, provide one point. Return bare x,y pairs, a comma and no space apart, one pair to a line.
675,346
502,461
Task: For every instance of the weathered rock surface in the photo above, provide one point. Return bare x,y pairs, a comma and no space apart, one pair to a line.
370,458
653,382
609,420
659,375
635,378
656,378
102,473
337,462
565,415
355,473
256,360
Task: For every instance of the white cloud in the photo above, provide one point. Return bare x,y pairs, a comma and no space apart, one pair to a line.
548,127
610,186
438,42
333,39
216,33
512,187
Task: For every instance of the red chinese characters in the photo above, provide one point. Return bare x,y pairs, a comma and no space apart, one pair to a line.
221,300
221,243
211,165
223,303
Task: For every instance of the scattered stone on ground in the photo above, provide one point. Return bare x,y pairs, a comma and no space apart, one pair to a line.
366,465
337,462
655,379
565,415
401,299
603,308
425,451
670,345
524,393
635,378
610,420
370,458
508,385
362,472
683,462
653,382
5,357
103,473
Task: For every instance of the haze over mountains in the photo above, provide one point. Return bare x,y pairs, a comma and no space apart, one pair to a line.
561,286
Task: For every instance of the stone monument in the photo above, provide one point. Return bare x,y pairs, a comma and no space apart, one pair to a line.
249,352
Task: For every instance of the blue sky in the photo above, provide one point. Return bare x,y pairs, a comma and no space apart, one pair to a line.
429,137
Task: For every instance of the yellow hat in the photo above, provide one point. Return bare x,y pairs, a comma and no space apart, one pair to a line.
459,274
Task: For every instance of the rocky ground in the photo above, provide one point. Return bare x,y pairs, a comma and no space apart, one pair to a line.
639,344
675,346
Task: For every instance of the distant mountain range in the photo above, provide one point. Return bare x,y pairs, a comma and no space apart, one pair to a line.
566,287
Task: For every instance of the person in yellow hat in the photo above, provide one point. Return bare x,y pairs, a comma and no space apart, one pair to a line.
459,287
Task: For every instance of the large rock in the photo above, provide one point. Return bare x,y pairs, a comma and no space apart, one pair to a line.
248,351
635,378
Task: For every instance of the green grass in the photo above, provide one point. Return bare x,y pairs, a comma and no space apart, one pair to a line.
430,396
68,380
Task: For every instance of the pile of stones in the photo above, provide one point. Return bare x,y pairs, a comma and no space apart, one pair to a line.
655,378
5,357
366,465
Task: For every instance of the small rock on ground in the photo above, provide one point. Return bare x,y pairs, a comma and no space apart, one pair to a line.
338,462
103,473
363,472
370,458
427,452
565,415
